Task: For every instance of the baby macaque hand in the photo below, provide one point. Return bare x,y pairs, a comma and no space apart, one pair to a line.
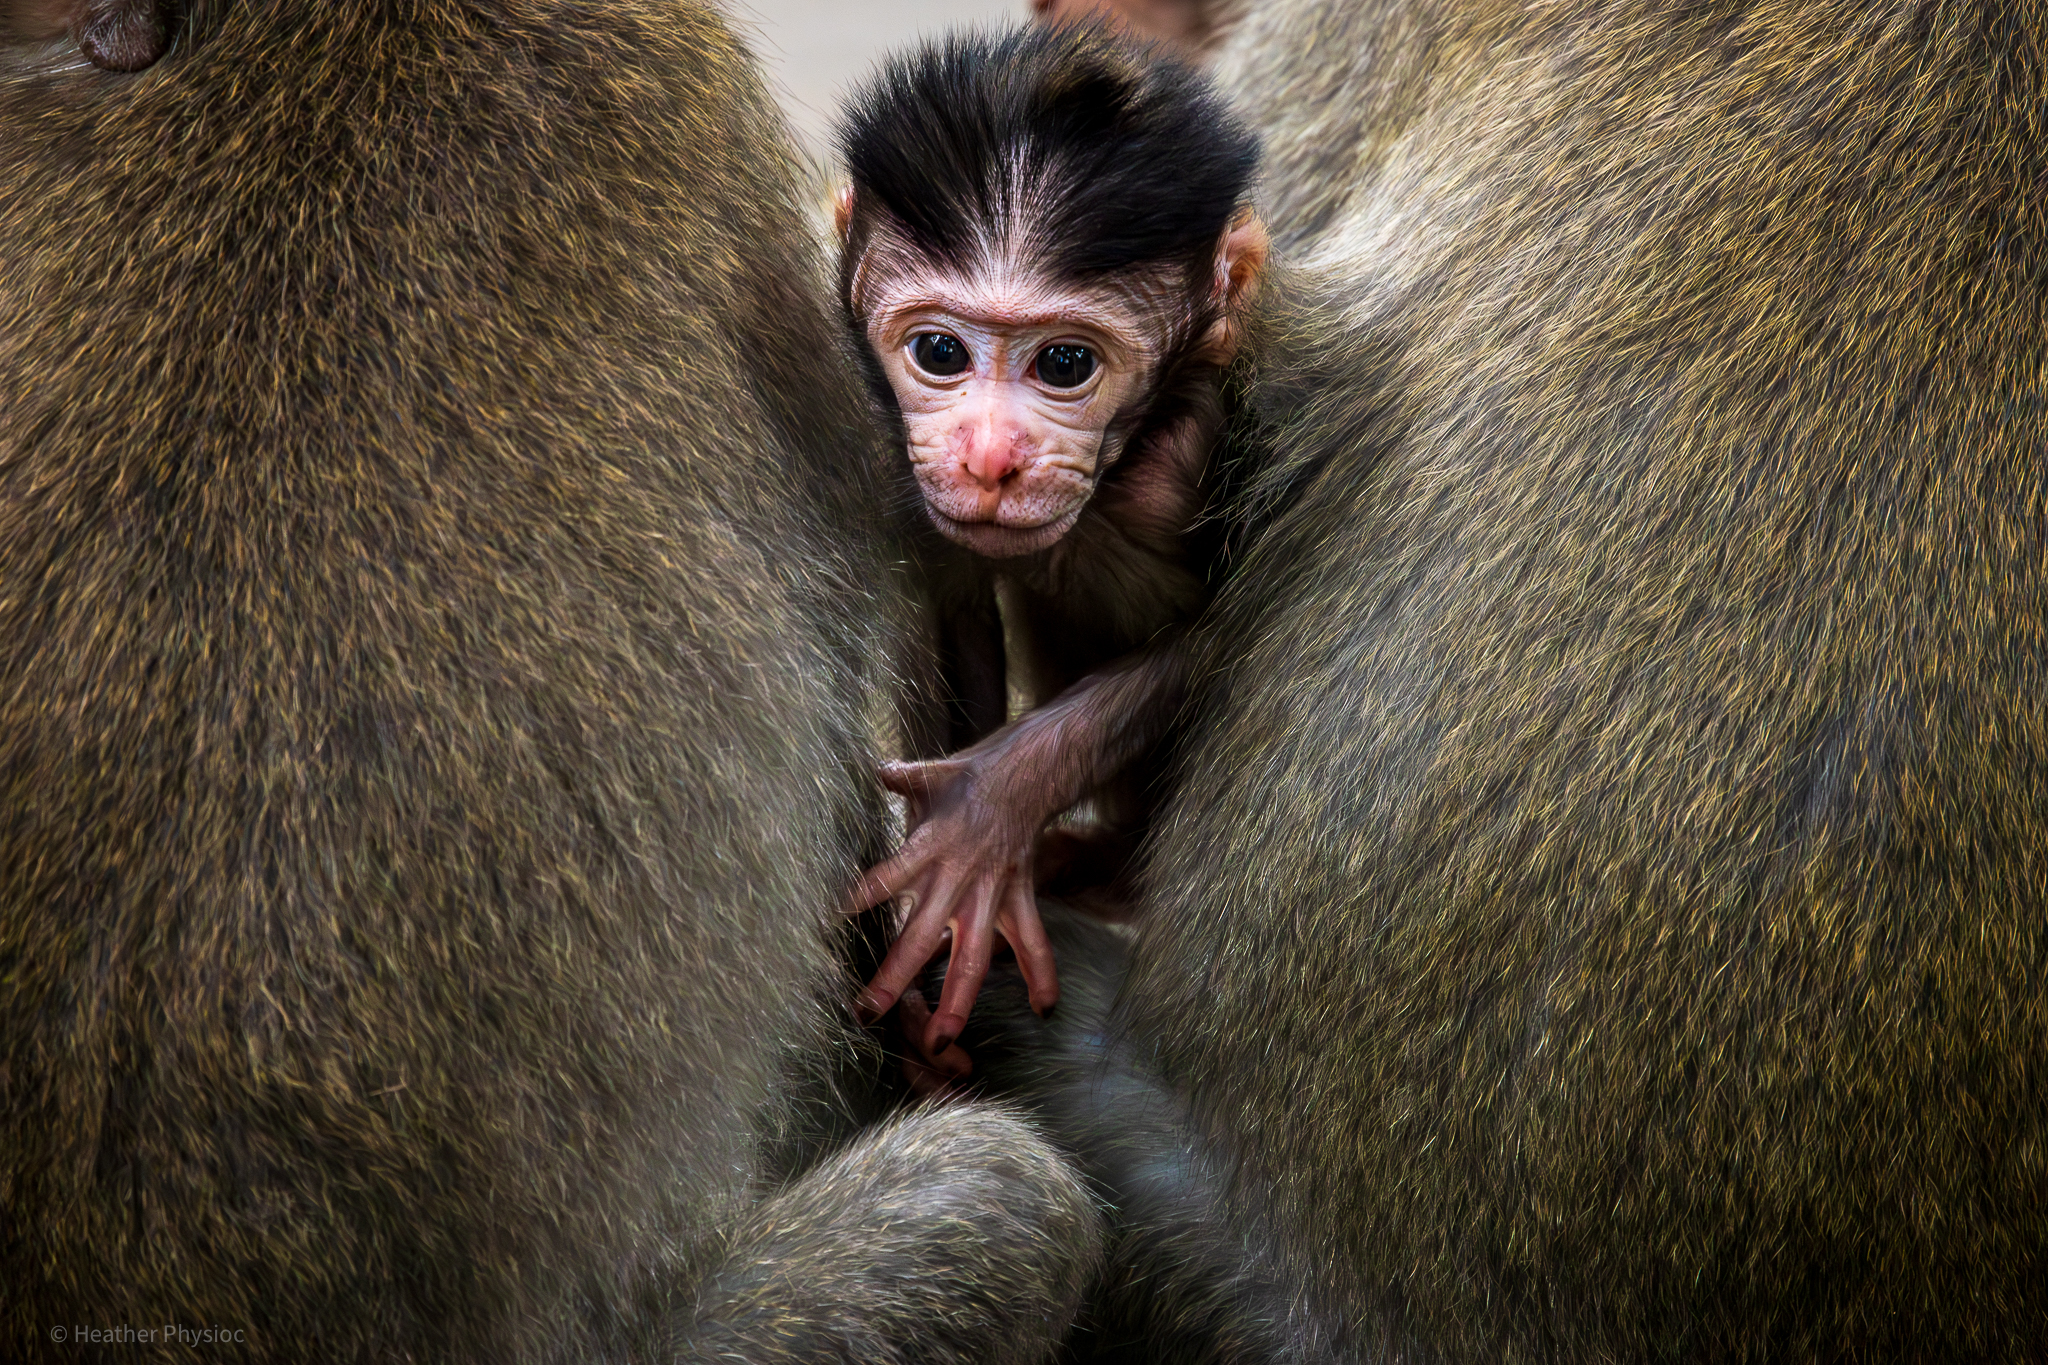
967,865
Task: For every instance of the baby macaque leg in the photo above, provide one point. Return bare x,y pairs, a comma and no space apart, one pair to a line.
971,668
1185,1280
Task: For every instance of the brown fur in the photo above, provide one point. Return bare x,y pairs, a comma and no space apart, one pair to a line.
434,624
1635,760
1602,913
864,1260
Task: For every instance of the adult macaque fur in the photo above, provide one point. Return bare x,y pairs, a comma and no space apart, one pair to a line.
1602,910
1046,253
435,615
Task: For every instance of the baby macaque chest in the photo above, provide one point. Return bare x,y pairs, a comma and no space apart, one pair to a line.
1068,618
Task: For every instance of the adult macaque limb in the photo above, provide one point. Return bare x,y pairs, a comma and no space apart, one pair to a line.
975,819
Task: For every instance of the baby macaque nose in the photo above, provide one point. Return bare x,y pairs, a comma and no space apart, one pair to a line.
989,461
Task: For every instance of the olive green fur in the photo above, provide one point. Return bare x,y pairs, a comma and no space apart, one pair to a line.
437,619
1603,911
950,1236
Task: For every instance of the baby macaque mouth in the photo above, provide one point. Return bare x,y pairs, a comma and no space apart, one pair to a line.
996,540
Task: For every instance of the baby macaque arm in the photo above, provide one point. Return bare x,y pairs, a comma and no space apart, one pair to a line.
974,821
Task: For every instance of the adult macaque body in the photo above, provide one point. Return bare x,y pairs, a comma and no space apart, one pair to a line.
431,687
1604,912
1048,254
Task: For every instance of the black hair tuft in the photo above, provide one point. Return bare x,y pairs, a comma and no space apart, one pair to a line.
1112,155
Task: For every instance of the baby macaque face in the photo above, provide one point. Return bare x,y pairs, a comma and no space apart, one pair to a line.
1016,392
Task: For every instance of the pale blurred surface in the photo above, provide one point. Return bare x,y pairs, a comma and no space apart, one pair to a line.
815,50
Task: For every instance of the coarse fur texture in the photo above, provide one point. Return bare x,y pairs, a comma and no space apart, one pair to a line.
435,613
1181,1282
862,1261
1603,910
1606,908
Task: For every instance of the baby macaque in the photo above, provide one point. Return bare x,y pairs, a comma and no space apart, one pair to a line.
1048,251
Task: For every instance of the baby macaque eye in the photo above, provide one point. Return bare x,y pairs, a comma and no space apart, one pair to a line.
1065,367
938,353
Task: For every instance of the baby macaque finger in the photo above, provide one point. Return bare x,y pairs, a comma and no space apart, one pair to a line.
923,934
1021,926
879,883
930,1075
973,946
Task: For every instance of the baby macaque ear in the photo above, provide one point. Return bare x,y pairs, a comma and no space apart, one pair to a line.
842,211
1241,259
1240,262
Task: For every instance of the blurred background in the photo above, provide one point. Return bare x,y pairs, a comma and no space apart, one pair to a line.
815,50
